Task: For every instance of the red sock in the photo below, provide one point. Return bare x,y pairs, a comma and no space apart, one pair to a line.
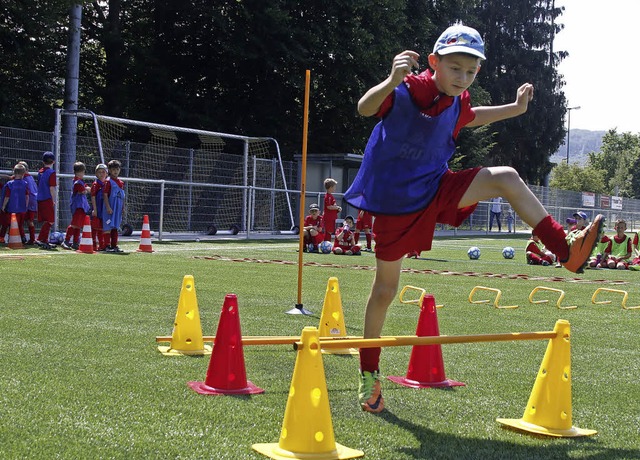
43,237
553,237
114,237
32,232
69,234
356,237
106,239
370,359
368,236
76,235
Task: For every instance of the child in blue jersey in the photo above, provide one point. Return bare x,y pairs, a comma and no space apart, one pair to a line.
47,182
112,206
97,203
79,207
15,199
408,152
32,208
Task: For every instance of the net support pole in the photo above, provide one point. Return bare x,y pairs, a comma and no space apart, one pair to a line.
299,309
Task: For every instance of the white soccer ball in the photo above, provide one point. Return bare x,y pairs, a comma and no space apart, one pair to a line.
326,247
508,252
473,253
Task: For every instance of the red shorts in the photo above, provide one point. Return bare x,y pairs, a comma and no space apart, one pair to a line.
96,223
365,221
46,212
30,215
78,218
5,219
398,235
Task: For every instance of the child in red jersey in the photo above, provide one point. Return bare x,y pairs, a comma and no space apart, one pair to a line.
32,209
16,198
112,207
97,200
406,183
47,184
79,207
537,254
331,208
364,224
344,242
313,229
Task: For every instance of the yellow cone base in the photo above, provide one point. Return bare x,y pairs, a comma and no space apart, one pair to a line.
168,351
274,451
520,424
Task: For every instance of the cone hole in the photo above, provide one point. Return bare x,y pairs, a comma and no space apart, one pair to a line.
532,410
543,371
335,315
188,341
566,337
563,415
319,436
188,286
316,394
565,376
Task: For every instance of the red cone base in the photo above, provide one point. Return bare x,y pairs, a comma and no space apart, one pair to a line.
226,374
426,366
204,389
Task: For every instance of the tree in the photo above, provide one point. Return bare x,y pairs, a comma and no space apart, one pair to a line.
518,36
32,46
578,179
618,157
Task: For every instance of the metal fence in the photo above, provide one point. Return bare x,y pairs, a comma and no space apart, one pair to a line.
194,206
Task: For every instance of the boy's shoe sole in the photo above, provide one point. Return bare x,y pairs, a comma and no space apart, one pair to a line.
582,246
370,392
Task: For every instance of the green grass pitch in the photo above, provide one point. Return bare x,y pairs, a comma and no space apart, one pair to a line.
80,375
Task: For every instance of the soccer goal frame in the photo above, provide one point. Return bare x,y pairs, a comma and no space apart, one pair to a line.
186,179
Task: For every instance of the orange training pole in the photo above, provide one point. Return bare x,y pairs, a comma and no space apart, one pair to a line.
303,182
263,339
398,341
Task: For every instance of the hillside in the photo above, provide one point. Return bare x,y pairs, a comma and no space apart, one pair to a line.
582,143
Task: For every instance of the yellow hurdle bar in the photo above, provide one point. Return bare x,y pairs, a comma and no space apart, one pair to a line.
263,339
407,340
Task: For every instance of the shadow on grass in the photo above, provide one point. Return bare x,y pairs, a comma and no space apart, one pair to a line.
445,446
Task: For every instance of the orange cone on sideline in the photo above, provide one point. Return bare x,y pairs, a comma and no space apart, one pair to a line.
145,237
15,240
86,242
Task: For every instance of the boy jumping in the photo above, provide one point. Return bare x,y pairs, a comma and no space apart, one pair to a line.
408,150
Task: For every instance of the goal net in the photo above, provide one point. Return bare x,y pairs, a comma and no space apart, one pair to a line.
189,180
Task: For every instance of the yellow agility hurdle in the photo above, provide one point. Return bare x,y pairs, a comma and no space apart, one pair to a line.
625,295
558,303
496,301
417,301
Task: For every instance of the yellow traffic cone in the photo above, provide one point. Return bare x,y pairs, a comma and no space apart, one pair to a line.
307,430
332,318
186,338
548,411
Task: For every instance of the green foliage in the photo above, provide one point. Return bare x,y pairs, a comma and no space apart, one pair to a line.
579,179
618,158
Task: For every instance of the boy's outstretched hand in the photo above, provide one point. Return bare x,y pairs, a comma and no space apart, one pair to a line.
402,65
523,96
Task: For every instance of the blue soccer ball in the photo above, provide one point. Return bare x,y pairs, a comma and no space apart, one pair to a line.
474,253
508,252
326,247
56,237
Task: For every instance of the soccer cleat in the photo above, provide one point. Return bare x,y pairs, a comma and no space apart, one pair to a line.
581,245
545,263
66,245
75,246
117,250
370,393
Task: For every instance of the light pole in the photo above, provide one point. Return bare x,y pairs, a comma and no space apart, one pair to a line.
569,109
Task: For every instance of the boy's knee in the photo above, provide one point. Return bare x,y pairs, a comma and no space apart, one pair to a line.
385,292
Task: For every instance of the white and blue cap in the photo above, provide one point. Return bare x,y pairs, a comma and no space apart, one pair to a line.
460,39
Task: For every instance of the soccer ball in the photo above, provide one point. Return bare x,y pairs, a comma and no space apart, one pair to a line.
326,247
508,252
56,237
473,253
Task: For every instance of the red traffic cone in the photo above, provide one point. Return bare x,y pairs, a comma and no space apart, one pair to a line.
145,236
226,374
426,367
15,240
86,242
